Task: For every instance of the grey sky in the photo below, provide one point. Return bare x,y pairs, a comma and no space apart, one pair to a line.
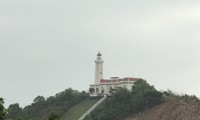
47,46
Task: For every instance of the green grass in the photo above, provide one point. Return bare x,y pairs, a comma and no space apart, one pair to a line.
75,112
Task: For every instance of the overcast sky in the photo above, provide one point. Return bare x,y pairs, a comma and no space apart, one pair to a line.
47,46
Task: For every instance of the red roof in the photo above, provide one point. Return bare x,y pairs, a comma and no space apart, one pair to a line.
127,79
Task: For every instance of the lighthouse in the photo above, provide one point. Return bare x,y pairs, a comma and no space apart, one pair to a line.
102,86
98,68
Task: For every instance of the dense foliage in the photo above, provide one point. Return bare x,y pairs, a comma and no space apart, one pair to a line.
124,102
2,110
47,109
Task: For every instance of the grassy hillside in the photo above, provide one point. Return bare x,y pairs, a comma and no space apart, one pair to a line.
75,112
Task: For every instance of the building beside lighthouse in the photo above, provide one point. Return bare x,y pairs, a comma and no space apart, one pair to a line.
103,86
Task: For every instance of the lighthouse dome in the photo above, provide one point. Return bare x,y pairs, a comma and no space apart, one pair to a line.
99,54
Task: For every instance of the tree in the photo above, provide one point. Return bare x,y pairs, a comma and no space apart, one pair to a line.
146,95
2,110
91,90
39,99
141,86
14,111
53,116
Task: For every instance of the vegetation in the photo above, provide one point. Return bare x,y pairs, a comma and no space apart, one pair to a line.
47,109
172,96
71,104
54,116
2,110
175,107
75,112
14,111
124,102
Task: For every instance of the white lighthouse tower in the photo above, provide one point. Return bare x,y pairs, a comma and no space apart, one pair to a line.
98,68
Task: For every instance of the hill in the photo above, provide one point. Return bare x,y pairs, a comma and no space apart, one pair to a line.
179,108
144,102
